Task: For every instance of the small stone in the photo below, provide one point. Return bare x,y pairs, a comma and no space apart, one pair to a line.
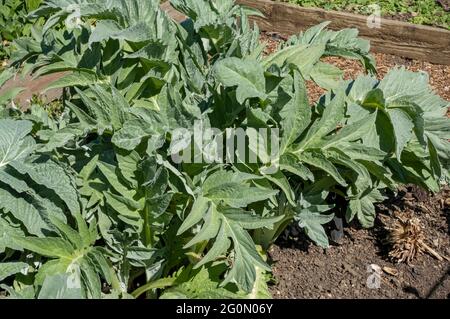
390,271
436,242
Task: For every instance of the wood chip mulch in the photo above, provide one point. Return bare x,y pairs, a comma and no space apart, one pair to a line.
439,74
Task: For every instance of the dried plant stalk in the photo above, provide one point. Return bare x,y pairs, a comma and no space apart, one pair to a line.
407,238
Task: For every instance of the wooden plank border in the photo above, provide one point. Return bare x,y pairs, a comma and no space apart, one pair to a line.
174,14
394,37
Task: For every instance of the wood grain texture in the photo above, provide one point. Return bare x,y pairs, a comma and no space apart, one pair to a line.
393,37
174,14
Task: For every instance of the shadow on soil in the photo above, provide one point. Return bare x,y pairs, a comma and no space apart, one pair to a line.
447,216
438,284
297,240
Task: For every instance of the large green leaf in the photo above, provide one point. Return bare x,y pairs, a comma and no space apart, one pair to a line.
14,142
403,129
79,78
228,225
311,209
51,247
304,57
247,75
11,268
54,177
58,287
312,223
29,214
328,122
203,284
364,208
295,115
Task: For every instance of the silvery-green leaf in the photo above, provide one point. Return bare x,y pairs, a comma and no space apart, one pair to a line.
326,75
27,213
363,208
15,145
58,287
50,246
80,79
295,115
11,268
312,224
403,129
54,177
247,75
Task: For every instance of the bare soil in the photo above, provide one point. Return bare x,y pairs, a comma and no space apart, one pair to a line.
303,270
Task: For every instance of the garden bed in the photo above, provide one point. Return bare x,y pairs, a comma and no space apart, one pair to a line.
392,37
425,12
439,73
117,174
302,270
306,271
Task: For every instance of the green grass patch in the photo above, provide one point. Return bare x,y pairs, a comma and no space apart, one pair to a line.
427,12
14,22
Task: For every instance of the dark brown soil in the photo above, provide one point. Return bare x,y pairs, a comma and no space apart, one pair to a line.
303,270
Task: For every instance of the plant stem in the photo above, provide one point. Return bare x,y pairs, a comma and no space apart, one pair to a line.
115,281
147,231
431,251
160,283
